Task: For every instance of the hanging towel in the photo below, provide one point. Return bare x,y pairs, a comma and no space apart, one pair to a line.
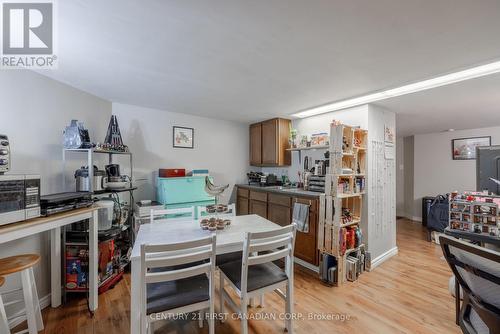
301,217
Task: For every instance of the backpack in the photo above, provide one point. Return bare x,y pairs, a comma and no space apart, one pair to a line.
438,216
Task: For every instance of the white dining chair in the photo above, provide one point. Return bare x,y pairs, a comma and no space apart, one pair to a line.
256,274
231,208
176,279
178,213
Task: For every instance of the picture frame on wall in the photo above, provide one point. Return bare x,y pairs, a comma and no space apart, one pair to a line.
183,137
465,148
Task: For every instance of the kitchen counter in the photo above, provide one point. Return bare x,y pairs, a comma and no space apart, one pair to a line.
281,190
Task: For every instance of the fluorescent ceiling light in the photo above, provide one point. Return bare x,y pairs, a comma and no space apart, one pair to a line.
447,79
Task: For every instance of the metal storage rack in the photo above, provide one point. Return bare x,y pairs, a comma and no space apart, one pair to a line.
90,158
90,162
345,185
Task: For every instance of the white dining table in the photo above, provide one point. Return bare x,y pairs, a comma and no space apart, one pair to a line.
167,231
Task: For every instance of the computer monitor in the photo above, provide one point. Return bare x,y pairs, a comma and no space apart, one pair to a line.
488,168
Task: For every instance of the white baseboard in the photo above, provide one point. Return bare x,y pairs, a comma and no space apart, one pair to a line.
417,219
20,317
306,265
383,257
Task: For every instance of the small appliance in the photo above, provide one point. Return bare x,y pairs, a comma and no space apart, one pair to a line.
114,180
105,213
62,202
82,179
271,180
112,171
254,177
116,183
4,154
19,198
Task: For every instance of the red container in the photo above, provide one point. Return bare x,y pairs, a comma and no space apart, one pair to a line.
180,172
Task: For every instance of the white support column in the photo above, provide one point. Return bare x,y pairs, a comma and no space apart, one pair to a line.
55,267
93,262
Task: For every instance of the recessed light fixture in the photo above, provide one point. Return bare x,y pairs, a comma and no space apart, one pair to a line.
447,79
451,130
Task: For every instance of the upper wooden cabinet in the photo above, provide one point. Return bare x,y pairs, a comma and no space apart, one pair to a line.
268,143
256,144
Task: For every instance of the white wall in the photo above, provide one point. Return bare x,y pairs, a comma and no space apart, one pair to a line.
405,177
400,184
435,172
219,146
34,111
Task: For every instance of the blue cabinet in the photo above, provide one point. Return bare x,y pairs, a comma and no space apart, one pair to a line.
181,192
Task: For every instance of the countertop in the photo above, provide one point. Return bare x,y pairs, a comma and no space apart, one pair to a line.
281,190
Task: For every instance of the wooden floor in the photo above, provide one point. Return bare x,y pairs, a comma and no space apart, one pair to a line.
407,294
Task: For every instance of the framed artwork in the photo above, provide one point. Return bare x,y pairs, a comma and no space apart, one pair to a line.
183,137
465,148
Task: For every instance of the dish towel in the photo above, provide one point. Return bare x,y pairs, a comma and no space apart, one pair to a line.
300,217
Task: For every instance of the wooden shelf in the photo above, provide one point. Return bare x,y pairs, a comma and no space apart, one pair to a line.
352,250
353,222
350,195
322,147
348,151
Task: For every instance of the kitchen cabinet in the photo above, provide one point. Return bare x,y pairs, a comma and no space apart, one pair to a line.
242,206
269,143
258,208
278,208
258,203
279,214
242,199
306,243
256,144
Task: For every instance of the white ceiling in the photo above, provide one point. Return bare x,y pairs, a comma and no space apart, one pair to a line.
465,105
251,60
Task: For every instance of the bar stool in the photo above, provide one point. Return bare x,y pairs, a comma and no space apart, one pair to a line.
22,264
4,323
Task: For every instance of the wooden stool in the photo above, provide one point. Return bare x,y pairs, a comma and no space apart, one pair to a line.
24,265
4,323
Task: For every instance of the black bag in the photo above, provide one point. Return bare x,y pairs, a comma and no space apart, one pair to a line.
437,219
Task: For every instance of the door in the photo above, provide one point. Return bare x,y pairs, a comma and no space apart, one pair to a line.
258,208
242,206
270,142
279,214
256,144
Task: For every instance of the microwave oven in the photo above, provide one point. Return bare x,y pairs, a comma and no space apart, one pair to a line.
19,198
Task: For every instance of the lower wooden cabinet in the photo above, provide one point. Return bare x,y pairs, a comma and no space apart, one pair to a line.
257,208
306,243
278,209
279,214
242,206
